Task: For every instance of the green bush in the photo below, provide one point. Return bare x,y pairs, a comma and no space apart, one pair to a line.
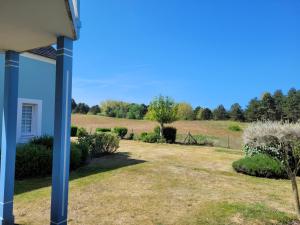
169,134
120,131
33,161
44,140
235,128
73,131
81,132
100,143
75,156
130,136
104,130
150,137
260,165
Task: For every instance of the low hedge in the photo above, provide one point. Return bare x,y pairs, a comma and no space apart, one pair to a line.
150,137
169,134
104,130
260,165
120,131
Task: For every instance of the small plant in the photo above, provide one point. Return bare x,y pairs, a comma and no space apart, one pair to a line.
104,130
169,134
260,165
120,131
235,127
73,131
130,136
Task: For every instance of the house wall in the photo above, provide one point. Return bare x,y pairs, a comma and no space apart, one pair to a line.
36,81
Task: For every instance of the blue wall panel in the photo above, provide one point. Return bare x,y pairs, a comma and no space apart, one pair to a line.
36,81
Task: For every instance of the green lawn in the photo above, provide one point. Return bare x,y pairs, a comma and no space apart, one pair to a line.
162,184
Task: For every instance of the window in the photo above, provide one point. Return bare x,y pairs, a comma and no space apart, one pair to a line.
29,119
27,113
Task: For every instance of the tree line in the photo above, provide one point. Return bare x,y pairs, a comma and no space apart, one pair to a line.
272,107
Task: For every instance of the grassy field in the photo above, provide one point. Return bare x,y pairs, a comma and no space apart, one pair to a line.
161,184
216,130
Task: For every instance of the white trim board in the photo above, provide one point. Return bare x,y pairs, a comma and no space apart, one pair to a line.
38,57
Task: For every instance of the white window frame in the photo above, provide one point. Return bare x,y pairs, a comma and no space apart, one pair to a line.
36,119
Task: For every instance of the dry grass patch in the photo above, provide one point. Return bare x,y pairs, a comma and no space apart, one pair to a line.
162,184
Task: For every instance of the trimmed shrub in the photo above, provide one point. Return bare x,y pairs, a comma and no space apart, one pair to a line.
33,161
104,130
44,140
260,165
169,133
235,128
75,156
120,131
81,132
100,143
73,131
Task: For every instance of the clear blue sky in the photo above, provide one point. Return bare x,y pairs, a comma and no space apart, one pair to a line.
205,52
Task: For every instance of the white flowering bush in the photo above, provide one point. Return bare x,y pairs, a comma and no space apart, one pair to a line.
281,141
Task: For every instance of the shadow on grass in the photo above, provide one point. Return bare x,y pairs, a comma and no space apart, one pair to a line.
98,165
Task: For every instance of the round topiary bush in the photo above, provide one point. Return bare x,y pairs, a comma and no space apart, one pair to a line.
260,165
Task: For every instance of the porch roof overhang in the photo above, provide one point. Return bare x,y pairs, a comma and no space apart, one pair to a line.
30,24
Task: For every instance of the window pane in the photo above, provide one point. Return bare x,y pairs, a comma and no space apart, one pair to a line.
26,124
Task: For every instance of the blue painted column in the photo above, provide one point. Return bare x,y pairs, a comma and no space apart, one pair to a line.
8,141
62,125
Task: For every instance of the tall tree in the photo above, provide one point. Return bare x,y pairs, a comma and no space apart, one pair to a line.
163,110
267,107
185,111
252,110
236,113
292,105
73,104
279,99
220,113
205,114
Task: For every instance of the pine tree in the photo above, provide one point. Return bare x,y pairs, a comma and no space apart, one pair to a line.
279,99
267,108
236,113
220,113
252,110
292,106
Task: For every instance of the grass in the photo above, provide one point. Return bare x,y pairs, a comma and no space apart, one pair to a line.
161,184
217,130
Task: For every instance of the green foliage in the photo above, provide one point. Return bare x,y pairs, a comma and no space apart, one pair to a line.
163,110
120,131
204,114
220,113
81,108
136,111
267,108
35,158
292,106
236,113
185,111
73,104
156,130
235,127
81,132
94,110
252,111
74,131
130,136
169,134
44,140
104,130
100,143
260,165
150,137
